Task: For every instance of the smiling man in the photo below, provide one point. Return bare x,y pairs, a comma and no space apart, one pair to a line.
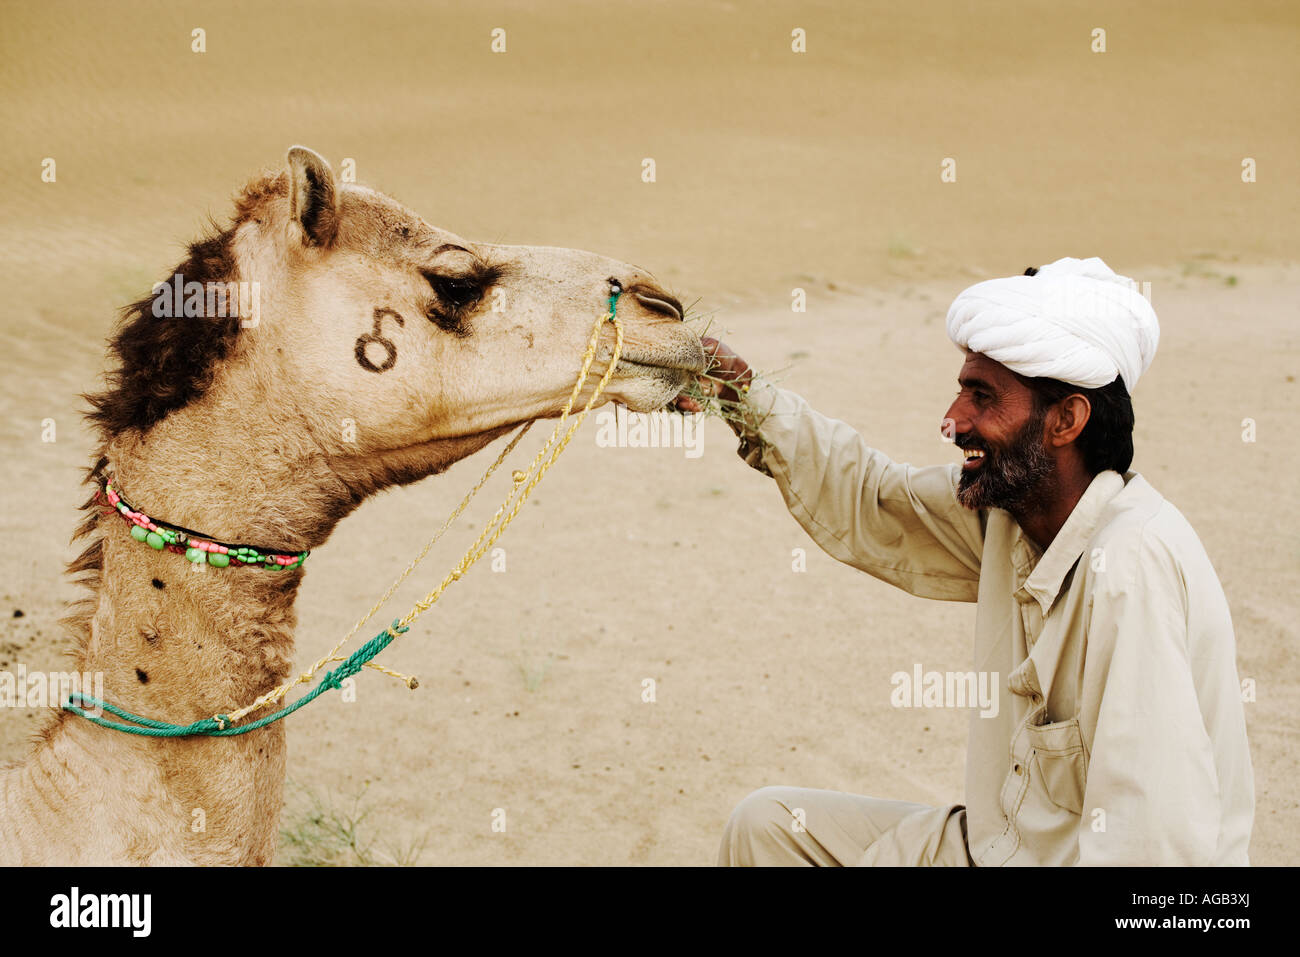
1121,736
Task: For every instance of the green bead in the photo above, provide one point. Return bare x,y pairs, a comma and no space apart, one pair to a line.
155,540
139,532
217,560
197,555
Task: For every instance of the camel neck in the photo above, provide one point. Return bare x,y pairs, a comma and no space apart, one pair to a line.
174,641
181,641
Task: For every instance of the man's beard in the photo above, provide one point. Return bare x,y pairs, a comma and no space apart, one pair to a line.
1009,478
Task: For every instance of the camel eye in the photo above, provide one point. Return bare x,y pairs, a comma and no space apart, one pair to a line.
456,292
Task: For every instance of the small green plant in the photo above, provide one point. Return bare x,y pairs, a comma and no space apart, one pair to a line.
533,674
901,249
1199,269
317,833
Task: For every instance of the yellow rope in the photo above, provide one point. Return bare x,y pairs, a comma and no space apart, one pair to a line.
524,483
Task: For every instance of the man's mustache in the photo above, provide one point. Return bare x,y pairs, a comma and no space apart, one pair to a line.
968,441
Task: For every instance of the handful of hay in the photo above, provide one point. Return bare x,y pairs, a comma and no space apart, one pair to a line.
705,391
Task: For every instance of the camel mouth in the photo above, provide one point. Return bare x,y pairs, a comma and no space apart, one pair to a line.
681,354
662,366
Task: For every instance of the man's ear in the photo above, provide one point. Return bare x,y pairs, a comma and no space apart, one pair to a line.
1073,413
313,200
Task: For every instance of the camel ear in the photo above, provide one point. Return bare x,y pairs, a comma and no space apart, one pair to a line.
313,200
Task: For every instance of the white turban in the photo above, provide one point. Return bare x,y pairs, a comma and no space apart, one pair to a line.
1075,320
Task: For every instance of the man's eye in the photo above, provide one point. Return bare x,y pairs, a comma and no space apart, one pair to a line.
456,292
982,396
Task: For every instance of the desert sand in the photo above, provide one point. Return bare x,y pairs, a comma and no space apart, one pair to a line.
774,171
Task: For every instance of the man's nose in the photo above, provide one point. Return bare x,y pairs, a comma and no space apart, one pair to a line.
954,422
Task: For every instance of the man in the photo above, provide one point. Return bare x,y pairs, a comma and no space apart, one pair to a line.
1120,736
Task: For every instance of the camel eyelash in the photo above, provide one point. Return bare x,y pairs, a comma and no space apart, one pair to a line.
457,294
463,288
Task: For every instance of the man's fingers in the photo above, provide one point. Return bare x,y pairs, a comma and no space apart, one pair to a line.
723,358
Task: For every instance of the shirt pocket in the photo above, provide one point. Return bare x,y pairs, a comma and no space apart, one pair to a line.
1060,761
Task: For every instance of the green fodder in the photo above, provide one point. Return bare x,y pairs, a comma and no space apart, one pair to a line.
703,387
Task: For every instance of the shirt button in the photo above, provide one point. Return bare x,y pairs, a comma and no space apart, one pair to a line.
1018,769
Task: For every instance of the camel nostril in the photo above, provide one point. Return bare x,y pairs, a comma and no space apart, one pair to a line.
656,300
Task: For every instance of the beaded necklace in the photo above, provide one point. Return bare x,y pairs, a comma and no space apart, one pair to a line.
195,546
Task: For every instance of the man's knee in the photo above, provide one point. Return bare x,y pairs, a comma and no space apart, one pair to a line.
764,819
787,825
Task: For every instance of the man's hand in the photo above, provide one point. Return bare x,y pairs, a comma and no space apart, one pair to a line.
724,365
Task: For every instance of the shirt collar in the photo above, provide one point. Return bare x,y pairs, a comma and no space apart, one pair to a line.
1044,582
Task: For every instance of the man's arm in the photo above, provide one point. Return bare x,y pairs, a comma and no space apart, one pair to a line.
1151,771
898,523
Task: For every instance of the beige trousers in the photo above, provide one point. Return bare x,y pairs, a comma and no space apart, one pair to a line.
802,826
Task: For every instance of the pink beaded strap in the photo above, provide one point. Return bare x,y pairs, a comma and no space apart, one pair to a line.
196,547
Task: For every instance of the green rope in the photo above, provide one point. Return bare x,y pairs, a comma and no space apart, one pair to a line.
217,727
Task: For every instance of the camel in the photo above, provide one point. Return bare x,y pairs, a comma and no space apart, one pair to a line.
383,350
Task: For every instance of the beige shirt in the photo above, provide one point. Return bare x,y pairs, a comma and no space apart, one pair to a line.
1120,736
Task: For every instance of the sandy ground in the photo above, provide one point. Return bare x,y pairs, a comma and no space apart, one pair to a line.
775,170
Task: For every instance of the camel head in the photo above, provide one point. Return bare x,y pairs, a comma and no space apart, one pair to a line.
373,316
391,346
